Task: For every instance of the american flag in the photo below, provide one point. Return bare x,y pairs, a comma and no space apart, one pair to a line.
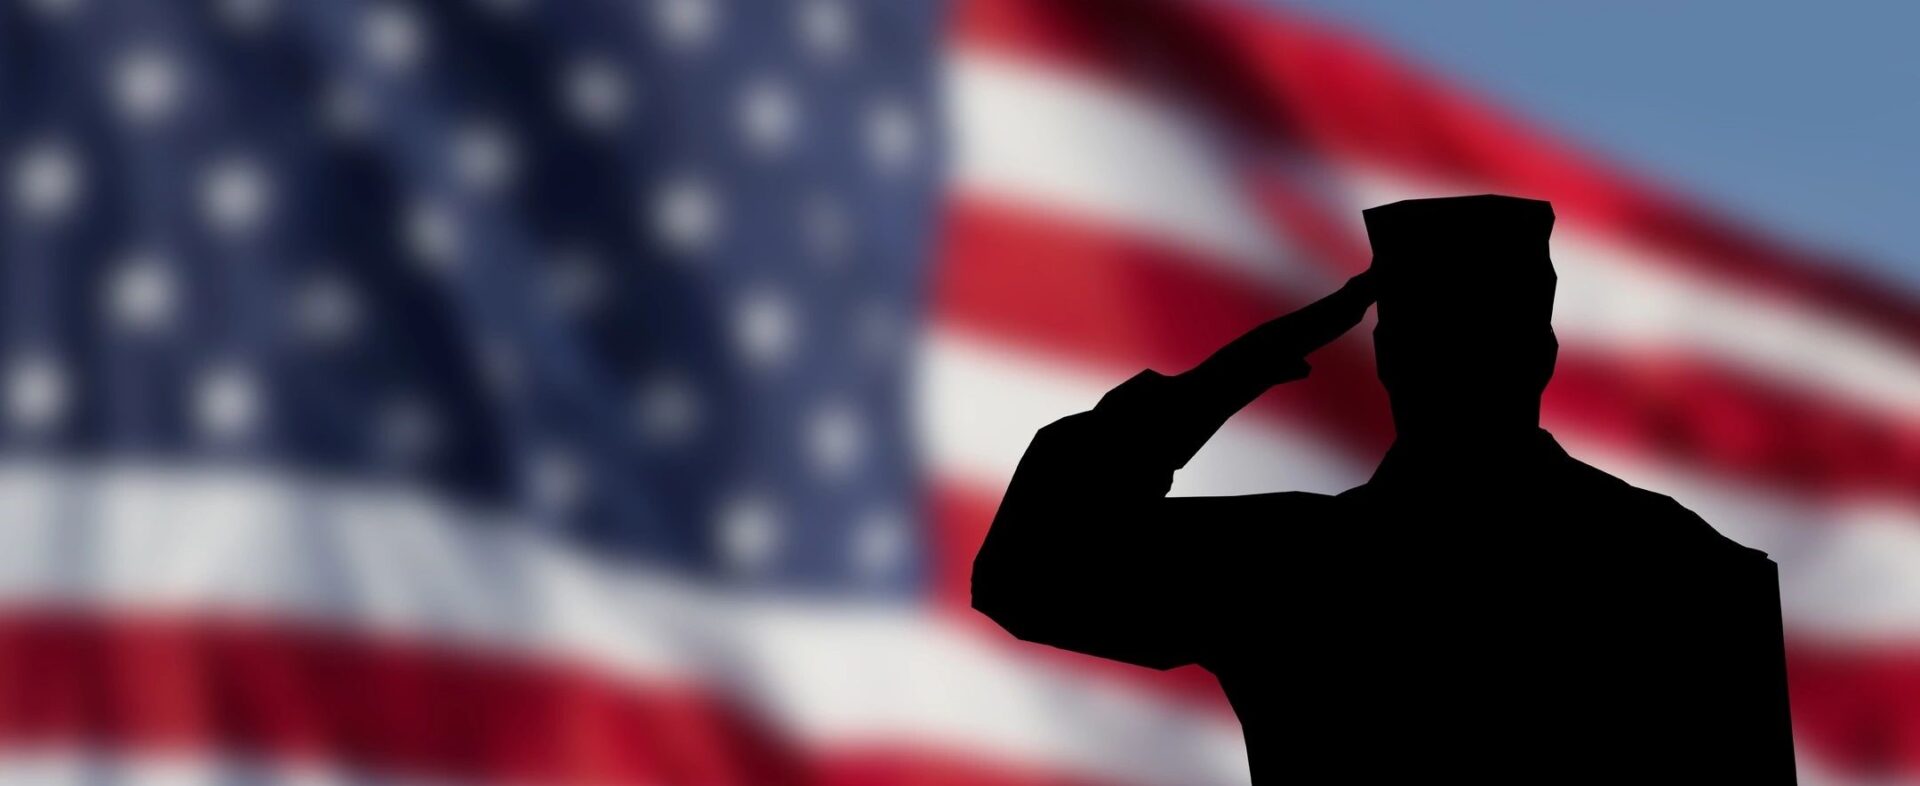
616,391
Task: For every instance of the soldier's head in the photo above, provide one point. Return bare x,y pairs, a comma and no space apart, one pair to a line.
1464,341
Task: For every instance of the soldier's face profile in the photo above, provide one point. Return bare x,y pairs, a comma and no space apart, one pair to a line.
1447,376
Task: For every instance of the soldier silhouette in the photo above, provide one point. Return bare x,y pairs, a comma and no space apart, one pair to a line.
1485,606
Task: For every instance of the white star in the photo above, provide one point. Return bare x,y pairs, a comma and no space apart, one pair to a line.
146,85
432,235
826,229
556,481
749,532
247,16
227,402
835,439
325,310
142,294
826,28
595,92
879,543
686,215
667,408
46,181
234,195
892,138
36,393
408,429
765,329
575,285
767,116
484,158
392,37
685,24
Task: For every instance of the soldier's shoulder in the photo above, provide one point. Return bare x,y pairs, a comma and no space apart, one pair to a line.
1662,514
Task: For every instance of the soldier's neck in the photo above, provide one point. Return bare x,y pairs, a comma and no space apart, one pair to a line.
1521,433
1438,453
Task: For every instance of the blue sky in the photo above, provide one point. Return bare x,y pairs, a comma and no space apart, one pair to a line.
1798,117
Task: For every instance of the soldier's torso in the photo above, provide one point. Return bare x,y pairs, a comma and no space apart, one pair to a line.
1508,637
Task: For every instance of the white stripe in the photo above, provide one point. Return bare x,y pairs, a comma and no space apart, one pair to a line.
1847,571
142,538
984,401
1075,148
1039,136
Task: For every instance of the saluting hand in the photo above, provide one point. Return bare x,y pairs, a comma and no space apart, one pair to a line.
1276,351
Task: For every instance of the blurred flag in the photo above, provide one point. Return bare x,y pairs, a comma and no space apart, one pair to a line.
518,391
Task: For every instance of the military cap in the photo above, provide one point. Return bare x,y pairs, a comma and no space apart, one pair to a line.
1469,262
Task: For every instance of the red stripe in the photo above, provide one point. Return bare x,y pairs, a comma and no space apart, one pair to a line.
1098,294
272,691
1688,409
1293,84
1048,282
1857,707
276,692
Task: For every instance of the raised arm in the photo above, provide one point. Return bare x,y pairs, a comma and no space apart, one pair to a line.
1087,553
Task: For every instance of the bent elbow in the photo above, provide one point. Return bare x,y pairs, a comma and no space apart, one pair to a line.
1018,616
990,585
1003,595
